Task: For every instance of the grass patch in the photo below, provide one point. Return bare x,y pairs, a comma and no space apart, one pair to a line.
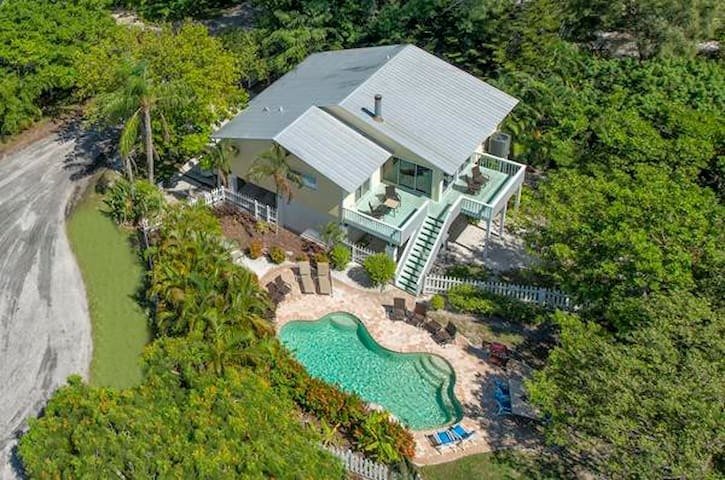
495,466
113,274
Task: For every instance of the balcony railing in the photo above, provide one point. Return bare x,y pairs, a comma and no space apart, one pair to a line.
381,229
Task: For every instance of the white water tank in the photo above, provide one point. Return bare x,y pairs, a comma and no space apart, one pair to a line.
499,144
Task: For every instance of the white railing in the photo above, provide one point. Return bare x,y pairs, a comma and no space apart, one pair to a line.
525,293
359,465
260,210
497,163
451,215
372,226
359,253
414,222
514,170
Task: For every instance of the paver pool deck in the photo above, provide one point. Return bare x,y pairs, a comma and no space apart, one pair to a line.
474,376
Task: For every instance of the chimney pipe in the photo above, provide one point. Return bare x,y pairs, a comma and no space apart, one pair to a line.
378,113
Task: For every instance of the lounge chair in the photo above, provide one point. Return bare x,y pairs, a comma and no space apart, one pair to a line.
306,283
323,278
283,287
400,311
462,434
446,335
442,440
419,314
432,327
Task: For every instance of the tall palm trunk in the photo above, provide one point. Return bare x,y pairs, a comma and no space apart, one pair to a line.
149,142
129,168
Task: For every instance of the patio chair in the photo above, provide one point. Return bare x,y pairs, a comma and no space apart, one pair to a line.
472,186
306,283
442,440
274,294
446,335
400,311
391,193
498,354
432,327
479,177
376,212
419,314
323,278
282,286
463,435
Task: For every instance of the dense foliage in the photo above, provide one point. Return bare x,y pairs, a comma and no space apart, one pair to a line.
380,269
187,84
129,202
648,404
39,41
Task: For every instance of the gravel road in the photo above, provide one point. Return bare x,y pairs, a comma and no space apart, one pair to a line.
45,331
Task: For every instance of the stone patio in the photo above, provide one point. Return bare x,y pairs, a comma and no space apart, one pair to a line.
474,376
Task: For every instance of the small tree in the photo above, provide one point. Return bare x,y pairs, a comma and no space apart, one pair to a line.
219,157
339,256
333,233
380,268
273,163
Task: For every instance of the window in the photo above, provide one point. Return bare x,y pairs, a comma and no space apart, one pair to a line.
309,181
409,175
362,190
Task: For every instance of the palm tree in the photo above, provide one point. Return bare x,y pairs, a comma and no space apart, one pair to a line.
273,163
219,157
135,104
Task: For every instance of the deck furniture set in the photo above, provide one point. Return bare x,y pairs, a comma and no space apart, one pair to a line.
390,203
419,318
307,284
453,437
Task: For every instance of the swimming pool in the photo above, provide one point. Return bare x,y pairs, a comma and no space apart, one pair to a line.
415,387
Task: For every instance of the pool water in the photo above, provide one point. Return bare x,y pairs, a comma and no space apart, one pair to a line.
415,387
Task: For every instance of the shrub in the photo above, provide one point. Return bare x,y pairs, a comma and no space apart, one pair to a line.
256,248
470,272
380,268
321,257
277,255
333,233
469,299
262,227
437,302
340,256
130,202
302,257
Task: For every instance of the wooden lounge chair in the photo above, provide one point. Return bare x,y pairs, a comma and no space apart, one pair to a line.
274,294
419,314
282,286
399,309
323,278
432,327
306,283
446,335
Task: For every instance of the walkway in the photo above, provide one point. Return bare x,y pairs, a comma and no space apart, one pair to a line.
45,331
474,376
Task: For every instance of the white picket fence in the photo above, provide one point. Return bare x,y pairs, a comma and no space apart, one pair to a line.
360,465
359,253
260,211
526,293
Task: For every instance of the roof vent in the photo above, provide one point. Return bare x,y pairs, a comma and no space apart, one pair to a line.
378,112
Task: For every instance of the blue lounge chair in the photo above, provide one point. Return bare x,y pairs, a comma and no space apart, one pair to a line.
442,440
461,432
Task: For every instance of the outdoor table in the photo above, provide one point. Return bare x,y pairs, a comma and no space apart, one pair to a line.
392,204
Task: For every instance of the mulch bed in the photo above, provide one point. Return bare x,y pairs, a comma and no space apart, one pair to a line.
242,228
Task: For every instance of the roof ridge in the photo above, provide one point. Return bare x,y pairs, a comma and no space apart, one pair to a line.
383,65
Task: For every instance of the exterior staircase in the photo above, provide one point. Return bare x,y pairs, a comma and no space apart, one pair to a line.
415,262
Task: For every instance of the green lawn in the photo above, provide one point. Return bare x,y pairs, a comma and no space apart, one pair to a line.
112,273
494,466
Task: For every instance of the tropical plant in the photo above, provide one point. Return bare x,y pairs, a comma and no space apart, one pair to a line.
333,233
256,248
339,256
274,164
129,202
218,157
380,268
437,302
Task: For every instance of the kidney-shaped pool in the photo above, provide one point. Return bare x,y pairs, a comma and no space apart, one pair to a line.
415,387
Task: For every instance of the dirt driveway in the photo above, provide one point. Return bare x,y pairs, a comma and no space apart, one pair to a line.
45,331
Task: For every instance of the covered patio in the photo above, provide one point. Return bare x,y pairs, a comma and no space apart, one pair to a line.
409,203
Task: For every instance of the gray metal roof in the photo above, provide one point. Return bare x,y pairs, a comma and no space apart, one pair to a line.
434,109
322,79
333,149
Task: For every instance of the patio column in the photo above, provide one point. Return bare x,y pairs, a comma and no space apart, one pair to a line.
488,238
518,196
391,251
503,219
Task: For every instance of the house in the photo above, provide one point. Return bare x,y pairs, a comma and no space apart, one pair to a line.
390,141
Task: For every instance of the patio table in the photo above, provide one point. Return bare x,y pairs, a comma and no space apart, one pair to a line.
392,204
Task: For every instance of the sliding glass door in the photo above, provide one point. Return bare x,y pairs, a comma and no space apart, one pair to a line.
409,175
